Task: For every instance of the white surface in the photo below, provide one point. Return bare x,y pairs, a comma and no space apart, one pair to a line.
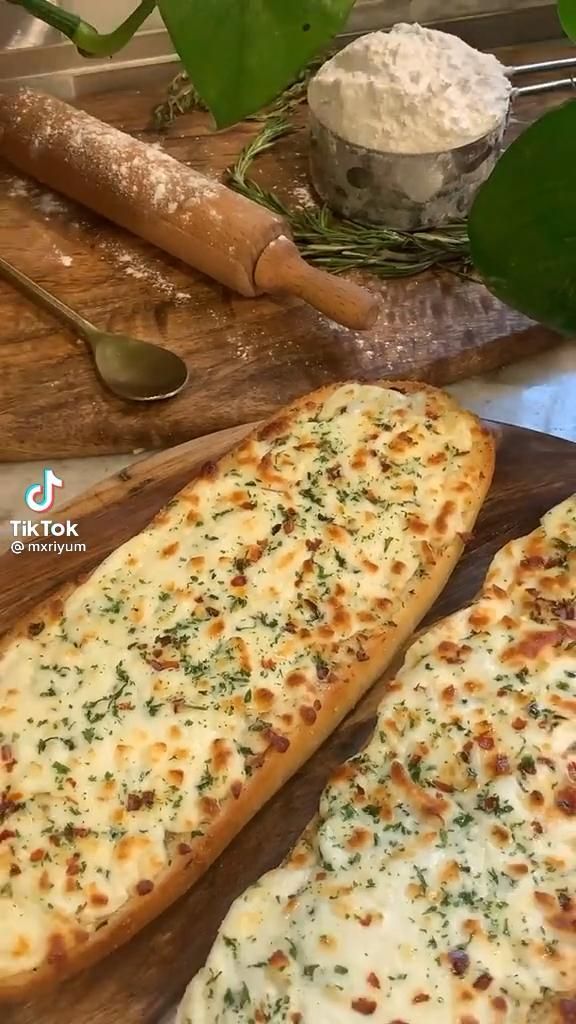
106,15
410,90
538,393
371,14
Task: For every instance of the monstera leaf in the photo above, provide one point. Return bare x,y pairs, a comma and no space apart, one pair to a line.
523,223
567,13
240,54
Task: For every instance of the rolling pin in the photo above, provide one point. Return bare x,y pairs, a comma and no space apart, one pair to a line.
201,222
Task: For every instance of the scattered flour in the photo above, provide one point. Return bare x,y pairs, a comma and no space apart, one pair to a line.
141,268
410,90
244,352
17,188
301,197
42,199
48,203
65,260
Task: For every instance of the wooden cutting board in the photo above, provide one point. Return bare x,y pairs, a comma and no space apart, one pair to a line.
144,980
245,356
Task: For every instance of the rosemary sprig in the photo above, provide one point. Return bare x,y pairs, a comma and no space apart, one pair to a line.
324,239
346,245
275,127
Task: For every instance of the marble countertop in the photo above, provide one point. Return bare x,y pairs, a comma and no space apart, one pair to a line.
539,393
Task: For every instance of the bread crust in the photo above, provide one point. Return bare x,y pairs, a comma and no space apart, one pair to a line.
184,871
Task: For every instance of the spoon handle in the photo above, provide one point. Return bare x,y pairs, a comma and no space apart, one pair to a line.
85,329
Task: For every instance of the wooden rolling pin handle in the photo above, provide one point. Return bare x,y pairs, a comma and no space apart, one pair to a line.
281,269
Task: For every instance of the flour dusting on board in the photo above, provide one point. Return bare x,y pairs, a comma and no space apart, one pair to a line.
148,172
126,256
136,266
62,257
43,200
302,197
410,90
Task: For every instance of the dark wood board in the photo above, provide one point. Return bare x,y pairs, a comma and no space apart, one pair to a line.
145,979
245,356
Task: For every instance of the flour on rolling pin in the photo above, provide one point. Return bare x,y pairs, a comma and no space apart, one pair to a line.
136,185
203,223
112,151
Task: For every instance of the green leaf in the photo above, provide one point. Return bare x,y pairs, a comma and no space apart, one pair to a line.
567,15
240,54
523,223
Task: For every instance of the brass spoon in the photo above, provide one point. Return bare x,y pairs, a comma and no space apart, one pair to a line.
132,369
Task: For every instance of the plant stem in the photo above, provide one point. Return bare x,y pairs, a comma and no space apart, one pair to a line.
85,37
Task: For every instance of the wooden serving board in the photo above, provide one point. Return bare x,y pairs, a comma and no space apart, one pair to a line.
245,356
144,980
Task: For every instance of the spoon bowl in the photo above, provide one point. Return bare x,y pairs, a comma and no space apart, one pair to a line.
137,370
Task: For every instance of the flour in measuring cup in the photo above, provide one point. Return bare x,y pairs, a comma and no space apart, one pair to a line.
410,90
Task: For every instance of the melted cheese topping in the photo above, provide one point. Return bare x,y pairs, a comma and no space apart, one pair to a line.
134,714
438,883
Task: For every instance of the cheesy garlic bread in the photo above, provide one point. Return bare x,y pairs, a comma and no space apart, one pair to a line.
148,713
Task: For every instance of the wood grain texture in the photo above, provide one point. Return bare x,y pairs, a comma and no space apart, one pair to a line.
246,356
145,979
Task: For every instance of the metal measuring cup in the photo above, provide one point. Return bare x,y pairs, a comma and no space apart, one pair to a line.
413,191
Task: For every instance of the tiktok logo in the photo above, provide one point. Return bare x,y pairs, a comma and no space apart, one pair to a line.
40,497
